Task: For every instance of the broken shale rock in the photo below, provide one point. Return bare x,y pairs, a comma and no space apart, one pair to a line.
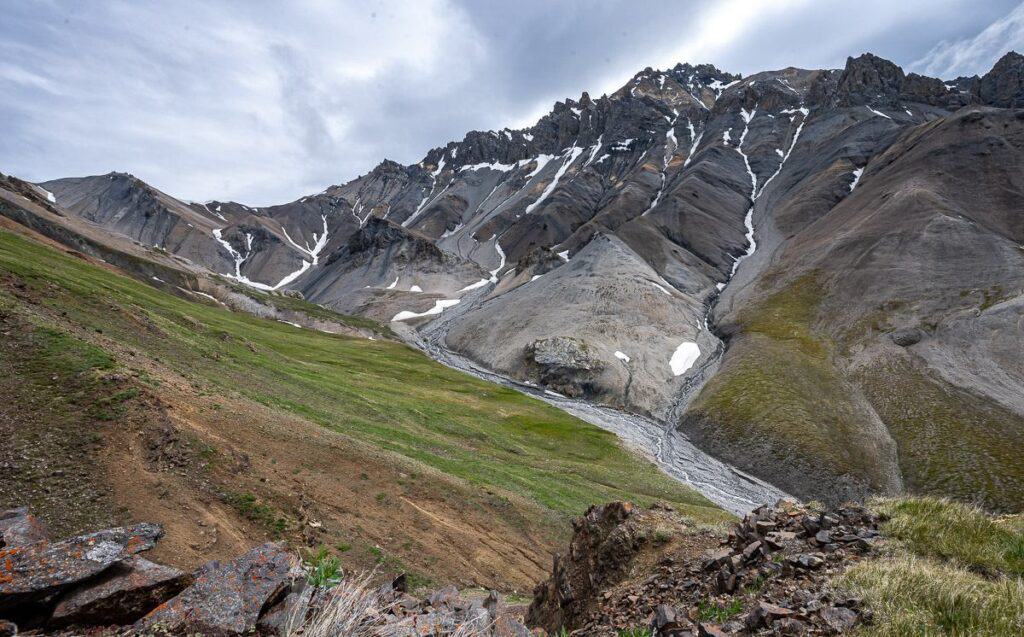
120,595
32,575
226,598
770,574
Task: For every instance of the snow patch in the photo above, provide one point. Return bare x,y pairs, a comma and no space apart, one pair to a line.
573,153
856,177
622,357
660,287
393,284
623,145
415,288
593,153
879,113
439,306
495,166
564,255
684,357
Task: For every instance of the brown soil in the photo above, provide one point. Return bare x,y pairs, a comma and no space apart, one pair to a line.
222,473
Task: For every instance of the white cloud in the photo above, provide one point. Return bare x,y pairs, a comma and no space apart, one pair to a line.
223,101
970,56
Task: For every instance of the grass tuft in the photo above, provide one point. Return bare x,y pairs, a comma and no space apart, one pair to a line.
948,530
951,570
911,595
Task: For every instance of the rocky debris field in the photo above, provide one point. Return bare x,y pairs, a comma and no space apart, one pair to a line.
627,569
97,583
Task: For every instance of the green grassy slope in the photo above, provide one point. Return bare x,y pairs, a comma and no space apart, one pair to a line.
379,391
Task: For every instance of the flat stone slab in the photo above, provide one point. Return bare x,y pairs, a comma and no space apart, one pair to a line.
38,571
226,598
120,595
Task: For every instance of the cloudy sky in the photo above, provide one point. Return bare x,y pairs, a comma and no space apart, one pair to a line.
265,101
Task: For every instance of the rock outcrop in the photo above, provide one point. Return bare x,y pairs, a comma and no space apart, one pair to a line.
95,582
32,575
630,568
226,598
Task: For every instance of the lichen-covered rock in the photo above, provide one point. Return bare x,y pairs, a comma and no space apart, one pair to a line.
18,527
122,594
33,573
226,598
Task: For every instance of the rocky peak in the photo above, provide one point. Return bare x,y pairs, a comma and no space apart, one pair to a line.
388,166
869,80
1003,86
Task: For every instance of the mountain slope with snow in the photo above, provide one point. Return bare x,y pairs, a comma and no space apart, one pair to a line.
718,232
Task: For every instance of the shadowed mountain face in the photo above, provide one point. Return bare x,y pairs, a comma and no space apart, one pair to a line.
814,274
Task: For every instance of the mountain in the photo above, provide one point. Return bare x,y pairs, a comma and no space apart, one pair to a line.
138,386
814,275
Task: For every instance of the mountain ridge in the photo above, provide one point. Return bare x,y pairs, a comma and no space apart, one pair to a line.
715,183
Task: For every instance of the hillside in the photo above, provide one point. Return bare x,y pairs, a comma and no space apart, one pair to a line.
125,402
813,275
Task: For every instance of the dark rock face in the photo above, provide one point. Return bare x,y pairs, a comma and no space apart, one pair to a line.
602,547
1003,86
907,337
18,527
869,80
226,599
32,574
122,594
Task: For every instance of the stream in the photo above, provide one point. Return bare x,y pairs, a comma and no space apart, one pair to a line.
670,449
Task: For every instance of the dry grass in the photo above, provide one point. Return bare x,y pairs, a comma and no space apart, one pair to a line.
956,532
911,595
354,608
950,570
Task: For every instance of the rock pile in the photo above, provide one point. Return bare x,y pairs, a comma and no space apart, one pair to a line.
770,575
97,581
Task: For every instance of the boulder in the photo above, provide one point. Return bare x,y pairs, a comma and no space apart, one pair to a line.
18,527
564,352
226,598
35,573
289,612
907,336
839,619
120,595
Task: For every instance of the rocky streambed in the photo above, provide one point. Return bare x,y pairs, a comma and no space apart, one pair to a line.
723,484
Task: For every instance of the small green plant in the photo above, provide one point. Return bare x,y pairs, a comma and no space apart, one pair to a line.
661,535
756,585
343,547
714,612
635,632
252,509
378,553
113,406
324,569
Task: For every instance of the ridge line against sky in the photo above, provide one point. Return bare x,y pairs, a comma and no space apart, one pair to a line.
262,104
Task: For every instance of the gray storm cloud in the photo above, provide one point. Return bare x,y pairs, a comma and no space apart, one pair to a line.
262,104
